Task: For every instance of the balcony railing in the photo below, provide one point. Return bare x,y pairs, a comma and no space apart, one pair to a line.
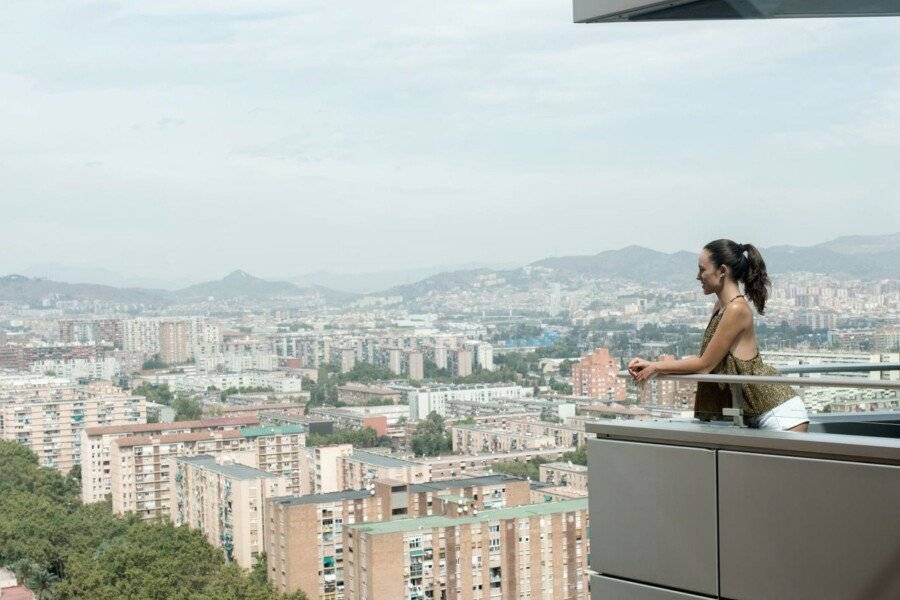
759,510
850,382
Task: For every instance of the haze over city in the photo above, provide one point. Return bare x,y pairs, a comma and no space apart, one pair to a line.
199,137
432,300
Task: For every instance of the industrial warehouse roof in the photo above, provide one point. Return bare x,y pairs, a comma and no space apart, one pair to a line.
438,521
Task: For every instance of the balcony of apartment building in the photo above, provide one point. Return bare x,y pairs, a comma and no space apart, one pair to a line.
690,510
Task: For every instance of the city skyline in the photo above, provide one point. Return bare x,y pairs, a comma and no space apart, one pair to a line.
197,138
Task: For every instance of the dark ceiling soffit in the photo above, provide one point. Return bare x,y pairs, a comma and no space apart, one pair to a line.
697,10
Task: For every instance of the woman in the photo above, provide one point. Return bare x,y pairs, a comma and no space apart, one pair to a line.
729,343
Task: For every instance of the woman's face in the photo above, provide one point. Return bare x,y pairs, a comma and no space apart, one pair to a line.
708,275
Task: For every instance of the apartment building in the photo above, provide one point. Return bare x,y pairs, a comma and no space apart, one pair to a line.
460,362
427,399
341,467
96,442
535,551
564,474
299,524
48,415
597,376
141,335
304,542
472,439
174,342
101,331
226,500
141,466
361,468
385,420
456,465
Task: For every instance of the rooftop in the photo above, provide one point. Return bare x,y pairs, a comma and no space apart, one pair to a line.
174,438
438,521
156,427
231,470
566,466
462,482
322,498
250,432
380,460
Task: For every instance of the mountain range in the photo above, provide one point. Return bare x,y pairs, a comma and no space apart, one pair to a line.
865,257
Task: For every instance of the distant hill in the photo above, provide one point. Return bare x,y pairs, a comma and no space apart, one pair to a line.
867,257
18,288
634,262
235,285
239,284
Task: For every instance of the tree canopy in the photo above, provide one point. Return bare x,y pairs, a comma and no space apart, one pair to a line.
431,437
65,550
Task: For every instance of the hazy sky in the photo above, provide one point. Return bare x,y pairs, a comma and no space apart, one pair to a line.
186,138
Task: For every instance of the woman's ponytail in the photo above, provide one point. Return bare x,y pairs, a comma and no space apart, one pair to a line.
755,278
747,267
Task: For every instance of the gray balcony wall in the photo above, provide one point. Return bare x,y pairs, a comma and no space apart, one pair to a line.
694,511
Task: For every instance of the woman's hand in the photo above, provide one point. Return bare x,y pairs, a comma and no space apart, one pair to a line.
641,369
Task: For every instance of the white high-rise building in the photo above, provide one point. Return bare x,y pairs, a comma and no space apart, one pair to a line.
141,335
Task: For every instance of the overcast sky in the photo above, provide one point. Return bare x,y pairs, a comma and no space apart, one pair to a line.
185,138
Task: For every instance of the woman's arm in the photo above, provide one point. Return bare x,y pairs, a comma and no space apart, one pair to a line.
735,319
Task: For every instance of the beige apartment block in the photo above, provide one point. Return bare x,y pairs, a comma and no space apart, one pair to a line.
325,469
361,468
304,541
597,376
298,524
535,551
226,500
341,467
460,465
174,342
472,439
564,474
48,415
96,442
141,467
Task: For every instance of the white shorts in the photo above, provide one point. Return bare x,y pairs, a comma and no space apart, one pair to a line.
786,415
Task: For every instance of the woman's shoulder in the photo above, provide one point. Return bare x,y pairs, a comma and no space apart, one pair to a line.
739,310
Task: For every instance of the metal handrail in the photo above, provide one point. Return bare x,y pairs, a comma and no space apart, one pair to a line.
840,368
846,382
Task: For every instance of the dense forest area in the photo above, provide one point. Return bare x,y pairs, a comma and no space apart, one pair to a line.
65,550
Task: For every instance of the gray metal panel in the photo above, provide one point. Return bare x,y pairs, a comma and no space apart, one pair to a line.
811,445
604,588
653,513
797,528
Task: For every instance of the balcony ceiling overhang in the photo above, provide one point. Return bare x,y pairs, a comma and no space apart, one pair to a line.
600,11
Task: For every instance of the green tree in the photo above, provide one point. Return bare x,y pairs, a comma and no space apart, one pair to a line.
66,551
577,456
431,437
187,408
529,469
161,394
154,362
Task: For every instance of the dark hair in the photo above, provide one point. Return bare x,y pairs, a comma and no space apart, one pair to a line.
747,266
